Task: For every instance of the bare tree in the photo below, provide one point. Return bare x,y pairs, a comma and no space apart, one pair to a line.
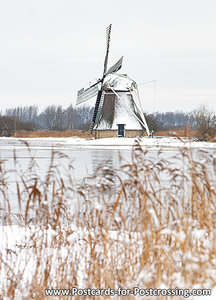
59,119
49,117
70,117
205,120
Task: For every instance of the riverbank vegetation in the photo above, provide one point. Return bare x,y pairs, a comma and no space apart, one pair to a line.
151,223
85,134
51,133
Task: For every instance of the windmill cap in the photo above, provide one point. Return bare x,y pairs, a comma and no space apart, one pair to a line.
119,82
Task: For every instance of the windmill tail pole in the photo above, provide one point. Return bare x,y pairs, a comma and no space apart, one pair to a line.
139,106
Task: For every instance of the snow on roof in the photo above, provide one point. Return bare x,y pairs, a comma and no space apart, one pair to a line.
119,82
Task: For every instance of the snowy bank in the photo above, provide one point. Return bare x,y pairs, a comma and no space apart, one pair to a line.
168,143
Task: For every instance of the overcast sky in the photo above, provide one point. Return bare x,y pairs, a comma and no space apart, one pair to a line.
49,49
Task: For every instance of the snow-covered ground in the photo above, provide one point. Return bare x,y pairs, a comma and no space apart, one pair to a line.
23,255
109,143
156,142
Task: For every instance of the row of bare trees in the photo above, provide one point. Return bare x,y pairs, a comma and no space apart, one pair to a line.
202,120
53,117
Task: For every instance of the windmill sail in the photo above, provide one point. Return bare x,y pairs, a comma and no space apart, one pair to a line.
117,66
84,95
100,107
97,103
108,33
95,111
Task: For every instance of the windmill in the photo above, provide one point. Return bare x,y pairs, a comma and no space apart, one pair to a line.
117,102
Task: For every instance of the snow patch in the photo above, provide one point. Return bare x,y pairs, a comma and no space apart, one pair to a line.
119,82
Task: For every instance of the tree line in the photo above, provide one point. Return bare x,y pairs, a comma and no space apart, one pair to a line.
202,120
177,119
55,117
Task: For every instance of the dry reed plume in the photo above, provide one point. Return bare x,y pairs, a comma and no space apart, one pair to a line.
149,224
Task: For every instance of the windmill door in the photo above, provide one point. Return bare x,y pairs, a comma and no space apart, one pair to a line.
121,130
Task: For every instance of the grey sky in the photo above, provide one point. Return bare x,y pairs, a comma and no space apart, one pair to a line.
49,49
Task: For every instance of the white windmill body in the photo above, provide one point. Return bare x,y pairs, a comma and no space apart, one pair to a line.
121,113
118,111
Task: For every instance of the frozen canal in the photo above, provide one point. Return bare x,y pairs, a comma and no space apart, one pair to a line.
84,160
86,156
